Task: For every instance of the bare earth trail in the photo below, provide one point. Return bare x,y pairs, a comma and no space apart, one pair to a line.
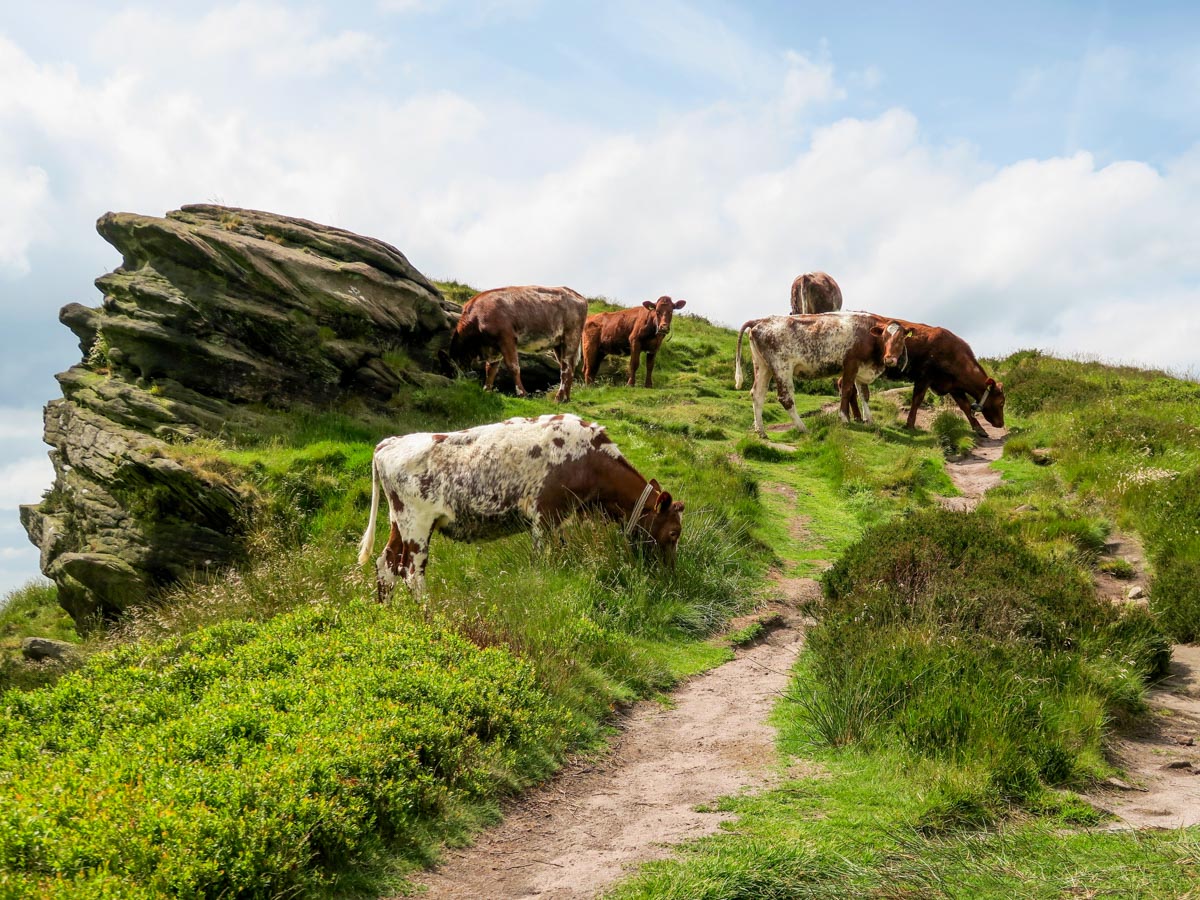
579,833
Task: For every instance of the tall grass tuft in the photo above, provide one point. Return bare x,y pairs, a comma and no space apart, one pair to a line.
943,634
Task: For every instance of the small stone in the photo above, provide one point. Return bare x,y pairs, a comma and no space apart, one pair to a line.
1042,456
1121,785
1136,592
1178,764
39,648
1186,741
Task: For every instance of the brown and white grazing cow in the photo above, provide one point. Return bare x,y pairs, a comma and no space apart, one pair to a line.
941,360
495,323
855,346
815,292
632,331
494,480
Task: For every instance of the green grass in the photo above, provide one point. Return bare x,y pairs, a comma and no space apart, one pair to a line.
31,610
1129,440
273,732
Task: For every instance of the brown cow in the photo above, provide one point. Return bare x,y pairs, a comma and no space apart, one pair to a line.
498,479
815,292
632,331
496,322
941,360
856,346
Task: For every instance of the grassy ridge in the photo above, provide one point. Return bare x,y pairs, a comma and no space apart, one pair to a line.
276,732
1130,439
279,711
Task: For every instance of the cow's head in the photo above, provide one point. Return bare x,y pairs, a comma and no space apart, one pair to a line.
893,335
663,310
662,522
991,403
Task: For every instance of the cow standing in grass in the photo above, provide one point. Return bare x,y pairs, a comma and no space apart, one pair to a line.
941,360
855,346
815,292
632,331
494,480
495,323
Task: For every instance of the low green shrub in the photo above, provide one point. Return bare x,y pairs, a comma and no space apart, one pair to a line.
953,433
262,759
943,633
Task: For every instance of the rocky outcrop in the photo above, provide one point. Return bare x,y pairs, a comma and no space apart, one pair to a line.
212,312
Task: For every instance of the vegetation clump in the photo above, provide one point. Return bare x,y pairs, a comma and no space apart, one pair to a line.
943,633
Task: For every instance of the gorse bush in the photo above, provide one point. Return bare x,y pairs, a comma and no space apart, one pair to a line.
941,631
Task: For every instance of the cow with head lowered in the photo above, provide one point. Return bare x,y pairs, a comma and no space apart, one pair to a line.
633,331
855,346
494,480
496,322
940,360
815,292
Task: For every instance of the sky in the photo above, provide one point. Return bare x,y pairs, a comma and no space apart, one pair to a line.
1026,174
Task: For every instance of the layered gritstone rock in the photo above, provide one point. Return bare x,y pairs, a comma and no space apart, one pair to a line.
213,310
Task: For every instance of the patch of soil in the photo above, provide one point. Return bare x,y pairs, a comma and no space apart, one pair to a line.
1119,590
576,835
1161,759
973,474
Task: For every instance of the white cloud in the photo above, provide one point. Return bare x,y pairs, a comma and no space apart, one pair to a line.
24,481
242,40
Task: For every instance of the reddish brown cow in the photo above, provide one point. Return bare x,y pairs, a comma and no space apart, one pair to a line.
815,292
494,480
941,360
496,322
632,331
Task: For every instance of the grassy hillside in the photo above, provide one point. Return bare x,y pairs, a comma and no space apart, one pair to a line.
275,731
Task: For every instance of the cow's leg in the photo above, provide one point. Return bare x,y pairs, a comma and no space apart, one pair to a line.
964,403
783,388
863,395
387,567
849,386
416,556
758,393
490,368
918,397
508,349
593,355
566,371
650,356
635,350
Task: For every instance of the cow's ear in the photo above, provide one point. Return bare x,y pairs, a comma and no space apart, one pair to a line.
680,304
877,330
654,484
677,506
663,503
991,382
649,304
999,385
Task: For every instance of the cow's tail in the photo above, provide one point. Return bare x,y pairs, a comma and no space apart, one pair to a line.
367,544
737,357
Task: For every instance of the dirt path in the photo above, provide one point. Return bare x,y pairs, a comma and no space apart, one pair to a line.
1160,759
589,826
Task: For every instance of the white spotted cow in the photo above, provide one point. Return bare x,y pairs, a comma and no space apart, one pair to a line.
494,480
855,346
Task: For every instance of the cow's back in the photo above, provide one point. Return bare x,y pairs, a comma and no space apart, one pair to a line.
614,329
528,311
815,292
487,473
814,346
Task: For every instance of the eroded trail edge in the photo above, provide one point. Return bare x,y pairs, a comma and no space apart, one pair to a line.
579,833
